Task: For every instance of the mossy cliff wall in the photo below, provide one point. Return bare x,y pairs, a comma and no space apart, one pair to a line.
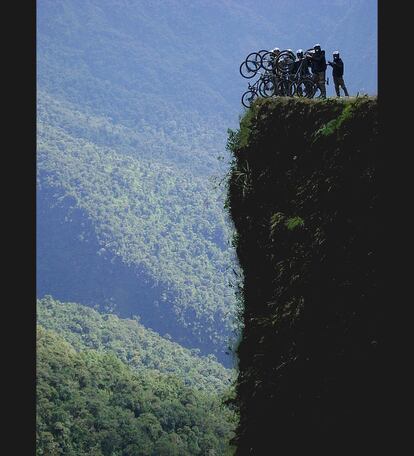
303,196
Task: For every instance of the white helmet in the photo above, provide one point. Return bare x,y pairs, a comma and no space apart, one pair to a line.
335,53
276,50
299,51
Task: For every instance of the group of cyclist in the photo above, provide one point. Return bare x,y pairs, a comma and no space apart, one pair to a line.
312,64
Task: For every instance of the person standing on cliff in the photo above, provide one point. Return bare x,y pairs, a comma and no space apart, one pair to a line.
275,55
275,71
305,66
338,74
318,66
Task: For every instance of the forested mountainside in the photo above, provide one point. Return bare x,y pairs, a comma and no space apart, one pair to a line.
140,348
91,403
134,99
190,148
305,198
162,224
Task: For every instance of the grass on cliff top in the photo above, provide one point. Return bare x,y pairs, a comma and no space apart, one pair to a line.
240,138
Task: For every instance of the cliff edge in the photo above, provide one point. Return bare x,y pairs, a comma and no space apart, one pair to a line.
303,195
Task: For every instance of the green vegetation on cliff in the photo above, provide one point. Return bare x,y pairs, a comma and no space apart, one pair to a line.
303,194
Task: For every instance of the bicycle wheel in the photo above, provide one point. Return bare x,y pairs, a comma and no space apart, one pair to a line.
285,61
246,72
286,88
253,61
268,61
267,88
305,88
248,98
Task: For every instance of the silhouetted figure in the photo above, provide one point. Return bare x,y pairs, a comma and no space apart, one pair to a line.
338,74
318,66
275,56
275,71
276,51
304,71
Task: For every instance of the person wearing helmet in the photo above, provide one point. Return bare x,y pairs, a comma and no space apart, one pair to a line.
275,71
275,54
318,66
300,63
338,74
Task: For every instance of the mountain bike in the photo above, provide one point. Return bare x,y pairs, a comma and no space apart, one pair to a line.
304,85
248,68
297,82
268,85
278,76
285,61
280,63
264,86
251,64
251,94
286,87
268,61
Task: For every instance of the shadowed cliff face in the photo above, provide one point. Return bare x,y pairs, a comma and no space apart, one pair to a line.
303,194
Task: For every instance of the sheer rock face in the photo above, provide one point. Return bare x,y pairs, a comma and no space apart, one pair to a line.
303,194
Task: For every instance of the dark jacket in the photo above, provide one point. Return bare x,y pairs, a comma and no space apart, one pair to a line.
337,68
304,69
318,62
